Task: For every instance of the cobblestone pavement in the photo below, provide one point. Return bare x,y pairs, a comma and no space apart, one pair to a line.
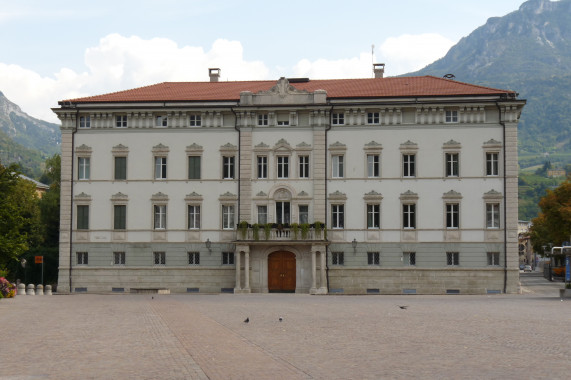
90,336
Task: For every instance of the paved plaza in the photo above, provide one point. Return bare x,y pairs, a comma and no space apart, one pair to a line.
96,336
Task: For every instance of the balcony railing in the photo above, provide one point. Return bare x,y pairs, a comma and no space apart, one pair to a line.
276,232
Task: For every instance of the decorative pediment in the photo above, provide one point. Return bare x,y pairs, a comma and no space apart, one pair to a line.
409,145
303,146
284,93
302,194
282,88
492,144
82,197
493,194
194,196
261,194
282,144
120,149
452,195
451,144
194,147
161,197
409,196
337,195
373,146
373,195
160,148
119,197
337,146
228,148
83,149
228,196
282,195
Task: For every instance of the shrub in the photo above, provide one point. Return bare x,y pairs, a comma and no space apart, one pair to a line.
7,289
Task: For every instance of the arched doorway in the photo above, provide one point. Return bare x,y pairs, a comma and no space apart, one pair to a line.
281,272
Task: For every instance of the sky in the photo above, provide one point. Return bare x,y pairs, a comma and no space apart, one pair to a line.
60,49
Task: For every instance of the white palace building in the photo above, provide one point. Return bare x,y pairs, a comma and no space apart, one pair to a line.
356,186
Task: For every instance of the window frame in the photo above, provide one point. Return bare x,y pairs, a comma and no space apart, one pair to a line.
119,258
160,169
263,120
82,217
83,168
193,216
82,258
262,166
264,214
85,122
409,216
228,167
373,118
493,209
193,258
161,121
122,223
192,167
338,258
373,216
453,259
452,215
373,165
409,258
451,116
374,258
338,118
228,213
159,258
409,165
122,167
282,167
492,164
121,121
300,213
452,164
228,258
337,216
338,166
303,166
194,120
160,216
493,258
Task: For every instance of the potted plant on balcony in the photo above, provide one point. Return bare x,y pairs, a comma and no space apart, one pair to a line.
295,230
267,230
243,227
318,229
304,230
256,231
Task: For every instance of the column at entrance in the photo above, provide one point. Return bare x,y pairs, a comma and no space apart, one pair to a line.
242,249
318,252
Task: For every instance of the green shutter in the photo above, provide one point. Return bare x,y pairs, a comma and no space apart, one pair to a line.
194,167
120,217
120,168
82,217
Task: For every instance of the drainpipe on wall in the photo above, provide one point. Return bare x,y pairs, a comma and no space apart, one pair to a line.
238,160
71,199
505,200
326,213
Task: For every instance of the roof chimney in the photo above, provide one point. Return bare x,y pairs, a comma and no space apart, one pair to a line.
214,74
379,69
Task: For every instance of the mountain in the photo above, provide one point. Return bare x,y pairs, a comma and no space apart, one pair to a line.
24,139
529,51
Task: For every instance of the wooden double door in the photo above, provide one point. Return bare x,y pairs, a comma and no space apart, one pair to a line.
281,272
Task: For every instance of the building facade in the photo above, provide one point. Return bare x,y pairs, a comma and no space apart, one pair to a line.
355,186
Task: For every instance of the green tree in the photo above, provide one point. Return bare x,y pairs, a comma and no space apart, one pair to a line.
50,202
553,225
20,226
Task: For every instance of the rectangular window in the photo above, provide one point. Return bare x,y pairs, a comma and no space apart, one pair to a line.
82,217
303,166
195,120
451,116
452,215
262,167
228,167
452,165
82,258
373,165
262,214
492,164
263,119
193,258
452,258
120,217
337,258
227,258
85,122
337,166
83,168
373,216
409,258
493,258
409,216
373,258
118,258
121,121
228,217
283,167
337,216
373,118
159,258
303,214
193,217
160,222
408,169
492,215
283,212
161,121
283,122
120,168
338,119
194,167
160,167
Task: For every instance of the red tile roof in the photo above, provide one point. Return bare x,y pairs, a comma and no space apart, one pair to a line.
336,88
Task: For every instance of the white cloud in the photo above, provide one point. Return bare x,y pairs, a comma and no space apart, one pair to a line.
119,63
408,52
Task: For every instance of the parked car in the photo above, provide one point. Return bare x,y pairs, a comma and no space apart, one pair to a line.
521,267
527,268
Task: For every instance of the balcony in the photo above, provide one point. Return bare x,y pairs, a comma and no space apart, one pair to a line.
278,232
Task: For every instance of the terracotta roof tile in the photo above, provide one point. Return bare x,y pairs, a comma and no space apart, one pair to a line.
336,88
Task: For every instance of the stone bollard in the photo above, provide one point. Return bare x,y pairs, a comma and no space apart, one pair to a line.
40,290
31,290
21,289
48,291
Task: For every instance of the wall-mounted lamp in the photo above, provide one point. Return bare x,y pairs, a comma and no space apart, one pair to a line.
354,244
208,244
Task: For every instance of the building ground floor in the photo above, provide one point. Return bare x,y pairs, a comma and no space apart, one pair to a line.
317,267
